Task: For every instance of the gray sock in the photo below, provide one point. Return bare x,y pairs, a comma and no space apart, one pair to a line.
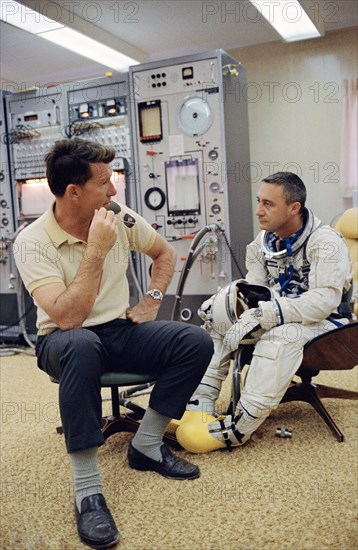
149,436
85,472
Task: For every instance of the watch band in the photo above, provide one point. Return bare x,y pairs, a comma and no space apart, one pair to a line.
155,294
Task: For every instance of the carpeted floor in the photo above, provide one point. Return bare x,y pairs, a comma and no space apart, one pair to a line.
271,494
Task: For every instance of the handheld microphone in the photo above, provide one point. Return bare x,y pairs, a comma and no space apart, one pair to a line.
114,207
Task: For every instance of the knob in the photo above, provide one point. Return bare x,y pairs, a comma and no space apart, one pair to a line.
186,314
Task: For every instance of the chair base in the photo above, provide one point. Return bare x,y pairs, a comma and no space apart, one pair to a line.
312,394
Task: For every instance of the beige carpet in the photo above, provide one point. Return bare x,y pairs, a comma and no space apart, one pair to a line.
271,494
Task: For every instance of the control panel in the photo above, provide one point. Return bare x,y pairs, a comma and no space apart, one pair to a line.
191,133
96,110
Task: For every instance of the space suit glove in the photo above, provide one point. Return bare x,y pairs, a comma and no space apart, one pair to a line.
252,323
205,310
242,331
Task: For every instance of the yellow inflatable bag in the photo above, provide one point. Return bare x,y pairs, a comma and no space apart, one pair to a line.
195,437
188,416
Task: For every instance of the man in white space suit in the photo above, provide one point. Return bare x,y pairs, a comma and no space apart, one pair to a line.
306,271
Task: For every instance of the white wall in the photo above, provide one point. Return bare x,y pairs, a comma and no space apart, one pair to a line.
295,94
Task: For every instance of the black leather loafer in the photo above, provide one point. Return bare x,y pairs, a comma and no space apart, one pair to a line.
95,524
172,466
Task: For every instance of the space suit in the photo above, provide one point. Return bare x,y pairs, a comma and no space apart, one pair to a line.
307,275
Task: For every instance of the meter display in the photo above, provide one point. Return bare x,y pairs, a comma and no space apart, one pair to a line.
182,178
194,116
154,198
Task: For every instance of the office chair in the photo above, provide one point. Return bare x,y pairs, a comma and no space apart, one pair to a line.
129,420
335,350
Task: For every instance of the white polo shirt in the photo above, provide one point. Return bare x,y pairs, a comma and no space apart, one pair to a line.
44,253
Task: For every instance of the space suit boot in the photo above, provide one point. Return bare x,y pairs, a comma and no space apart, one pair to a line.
217,433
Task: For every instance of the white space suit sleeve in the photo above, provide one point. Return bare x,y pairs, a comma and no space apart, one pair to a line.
329,259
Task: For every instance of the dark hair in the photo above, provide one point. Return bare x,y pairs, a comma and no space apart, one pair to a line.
68,161
293,187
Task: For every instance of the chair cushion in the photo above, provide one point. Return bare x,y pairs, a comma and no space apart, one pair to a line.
347,224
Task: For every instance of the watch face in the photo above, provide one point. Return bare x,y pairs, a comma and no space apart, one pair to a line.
155,294
258,313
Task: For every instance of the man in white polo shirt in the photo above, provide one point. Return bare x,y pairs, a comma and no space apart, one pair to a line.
73,261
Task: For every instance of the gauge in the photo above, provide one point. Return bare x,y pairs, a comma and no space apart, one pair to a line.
214,187
154,198
187,72
194,116
213,154
216,209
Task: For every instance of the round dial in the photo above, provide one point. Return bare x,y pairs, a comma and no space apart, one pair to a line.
213,154
214,187
216,209
194,116
154,198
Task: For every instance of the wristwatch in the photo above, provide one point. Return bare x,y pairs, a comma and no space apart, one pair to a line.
155,294
257,313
